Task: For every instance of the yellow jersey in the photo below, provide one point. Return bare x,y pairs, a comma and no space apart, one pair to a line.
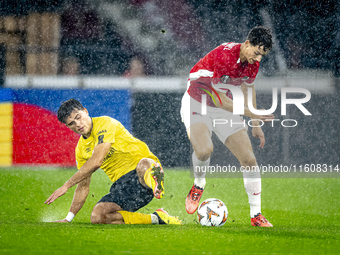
125,153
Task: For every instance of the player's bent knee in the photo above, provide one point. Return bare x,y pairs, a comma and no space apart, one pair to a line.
97,218
204,153
98,214
141,168
144,164
106,213
249,160
102,218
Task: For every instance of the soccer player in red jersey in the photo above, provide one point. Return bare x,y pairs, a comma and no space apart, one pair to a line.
230,64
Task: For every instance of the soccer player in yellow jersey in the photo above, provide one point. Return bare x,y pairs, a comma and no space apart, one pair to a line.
135,171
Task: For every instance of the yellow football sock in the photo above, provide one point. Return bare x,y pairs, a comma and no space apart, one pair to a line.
147,177
135,217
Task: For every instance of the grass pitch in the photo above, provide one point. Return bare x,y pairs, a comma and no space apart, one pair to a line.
304,212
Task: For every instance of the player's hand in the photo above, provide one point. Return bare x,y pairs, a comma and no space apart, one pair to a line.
58,193
258,133
62,221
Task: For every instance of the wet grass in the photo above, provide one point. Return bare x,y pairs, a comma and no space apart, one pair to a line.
304,212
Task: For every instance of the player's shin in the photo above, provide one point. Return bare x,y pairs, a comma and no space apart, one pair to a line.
136,218
252,185
200,170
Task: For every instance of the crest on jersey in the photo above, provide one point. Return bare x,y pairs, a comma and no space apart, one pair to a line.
225,79
245,78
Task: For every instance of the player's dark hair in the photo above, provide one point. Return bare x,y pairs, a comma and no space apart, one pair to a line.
67,108
261,36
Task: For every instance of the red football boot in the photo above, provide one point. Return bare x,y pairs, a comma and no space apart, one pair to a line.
193,199
260,221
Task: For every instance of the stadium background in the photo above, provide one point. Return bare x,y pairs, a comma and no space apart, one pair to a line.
54,50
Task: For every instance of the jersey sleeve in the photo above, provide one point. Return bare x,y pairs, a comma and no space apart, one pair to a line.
80,160
105,131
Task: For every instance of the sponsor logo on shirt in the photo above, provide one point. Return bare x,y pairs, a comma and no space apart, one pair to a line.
102,131
225,79
87,150
109,154
228,46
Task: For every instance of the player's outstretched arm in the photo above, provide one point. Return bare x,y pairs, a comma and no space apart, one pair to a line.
90,166
79,199
227,104
264,118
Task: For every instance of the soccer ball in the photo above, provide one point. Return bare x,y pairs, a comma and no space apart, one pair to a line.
212,212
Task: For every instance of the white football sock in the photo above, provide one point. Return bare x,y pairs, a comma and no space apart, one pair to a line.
154,219
252,184
200,182
200,168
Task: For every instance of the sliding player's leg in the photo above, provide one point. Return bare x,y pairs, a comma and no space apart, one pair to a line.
239,144
111,213
151,175
127,195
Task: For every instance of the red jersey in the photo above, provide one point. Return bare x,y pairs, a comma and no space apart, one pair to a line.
220,66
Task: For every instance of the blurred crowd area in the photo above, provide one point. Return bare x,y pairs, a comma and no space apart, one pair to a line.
157,37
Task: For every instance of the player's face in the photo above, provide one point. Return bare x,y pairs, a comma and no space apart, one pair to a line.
254,53
80,122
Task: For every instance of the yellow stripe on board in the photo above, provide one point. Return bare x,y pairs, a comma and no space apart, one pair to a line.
6,135
5,160
6,109
6,122
6,149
